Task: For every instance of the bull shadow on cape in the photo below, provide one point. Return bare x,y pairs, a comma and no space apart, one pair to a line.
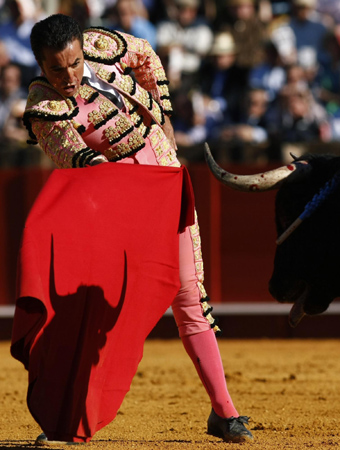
62,359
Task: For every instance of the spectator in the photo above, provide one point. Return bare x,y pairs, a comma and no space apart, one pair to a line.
270,74
305,76
4,57
222,84
248,139
330,11
328,91
302,120
15,34
157,11
125,16
308,61
183,42
50,6
13,150
295,78
189,124
10,91
240,18
78,9
282,36
280,7
308,32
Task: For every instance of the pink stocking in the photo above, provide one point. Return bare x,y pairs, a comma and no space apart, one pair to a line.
203,350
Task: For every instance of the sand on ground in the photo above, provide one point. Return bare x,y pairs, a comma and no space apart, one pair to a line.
289,388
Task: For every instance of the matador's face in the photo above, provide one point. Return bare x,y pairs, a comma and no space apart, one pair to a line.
64,69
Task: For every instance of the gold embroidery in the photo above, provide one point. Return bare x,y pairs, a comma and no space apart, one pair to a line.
156,110
111,134
101,44
199,267
126,83
122,149
135,140
160,74
202,289
72,136
54,105
205,306
156,138
130,104
134,143
106,108
211,321
144,98
163,88
142,129
45,101
159,151
167,105
104,74
34,97
86,92
95,117
76,124
86,39
111,42
122,126
136,118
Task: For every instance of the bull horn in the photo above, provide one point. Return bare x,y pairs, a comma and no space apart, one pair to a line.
294,156
297,311
260,182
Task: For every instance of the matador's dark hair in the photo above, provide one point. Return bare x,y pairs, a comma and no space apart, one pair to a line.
54,32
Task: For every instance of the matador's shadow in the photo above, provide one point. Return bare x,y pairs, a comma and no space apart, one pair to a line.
65,355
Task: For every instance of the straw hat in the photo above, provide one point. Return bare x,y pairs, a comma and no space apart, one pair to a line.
191,3
240,2
305,3
223,44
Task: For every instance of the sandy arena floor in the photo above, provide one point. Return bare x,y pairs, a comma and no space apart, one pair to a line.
290,388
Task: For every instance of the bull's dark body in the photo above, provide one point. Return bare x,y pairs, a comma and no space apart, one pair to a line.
310,255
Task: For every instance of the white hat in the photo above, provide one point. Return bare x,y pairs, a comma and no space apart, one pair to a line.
27,8
307,57
223,44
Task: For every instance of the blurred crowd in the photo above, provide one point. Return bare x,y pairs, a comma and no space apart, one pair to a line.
256,79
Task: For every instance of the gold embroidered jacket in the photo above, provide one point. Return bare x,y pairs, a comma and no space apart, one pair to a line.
73,131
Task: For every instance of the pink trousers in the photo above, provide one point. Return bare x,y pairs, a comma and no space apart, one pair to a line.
192,315
187,307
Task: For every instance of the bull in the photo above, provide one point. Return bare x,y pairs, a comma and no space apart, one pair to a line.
307,216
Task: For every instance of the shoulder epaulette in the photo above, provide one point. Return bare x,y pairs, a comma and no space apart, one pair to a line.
44,102
102,45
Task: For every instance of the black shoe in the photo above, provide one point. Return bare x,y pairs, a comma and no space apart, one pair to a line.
43,441
230,430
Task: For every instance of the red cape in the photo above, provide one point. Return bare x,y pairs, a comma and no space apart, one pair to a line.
98,267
